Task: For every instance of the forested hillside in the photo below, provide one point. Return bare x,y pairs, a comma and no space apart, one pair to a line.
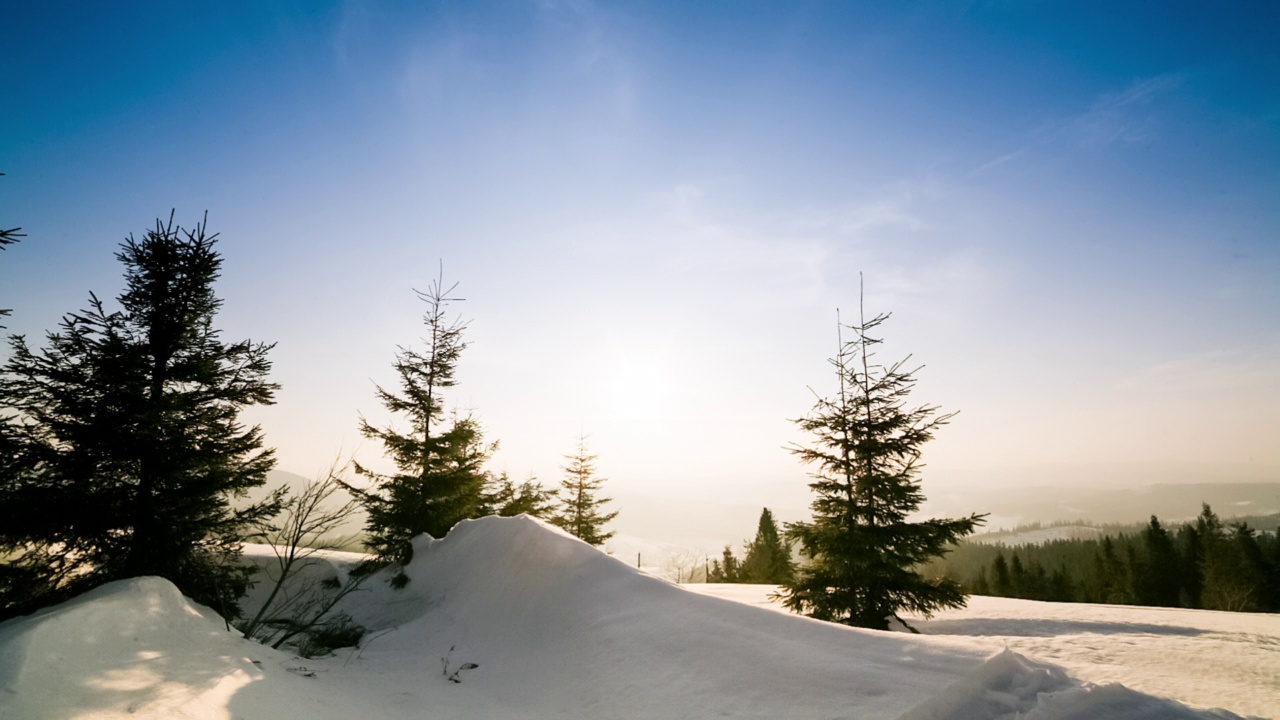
1203,564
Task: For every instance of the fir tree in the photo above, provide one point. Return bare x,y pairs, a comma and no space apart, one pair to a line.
768,559
580,511
862,550
1191,573
8,237
1061,588
126,444
1003,581
1230,580
1110,575
503,497
980,584
440,478
1157,573
726,571
1017,576
1252,567
1271,564
1037,582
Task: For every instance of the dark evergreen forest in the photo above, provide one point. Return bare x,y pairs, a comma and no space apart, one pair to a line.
1204,564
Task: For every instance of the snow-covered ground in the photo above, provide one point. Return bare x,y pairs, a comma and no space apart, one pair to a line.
561,630
1200,657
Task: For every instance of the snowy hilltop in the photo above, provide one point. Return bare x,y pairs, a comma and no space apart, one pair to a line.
553,627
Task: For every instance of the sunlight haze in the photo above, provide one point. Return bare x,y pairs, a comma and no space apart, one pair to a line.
654,211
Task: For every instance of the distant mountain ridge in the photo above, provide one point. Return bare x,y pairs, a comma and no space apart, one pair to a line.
1172,503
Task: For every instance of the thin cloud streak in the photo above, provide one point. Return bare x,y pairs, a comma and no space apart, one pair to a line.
1131,116
995,163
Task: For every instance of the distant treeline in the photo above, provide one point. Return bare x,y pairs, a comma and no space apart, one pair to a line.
1202,564
1082,528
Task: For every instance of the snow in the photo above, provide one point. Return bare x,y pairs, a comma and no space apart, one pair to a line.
137,648
1040,535
1011,686
557,629
1200,657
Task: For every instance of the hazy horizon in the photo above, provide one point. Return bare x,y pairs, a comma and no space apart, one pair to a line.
653,213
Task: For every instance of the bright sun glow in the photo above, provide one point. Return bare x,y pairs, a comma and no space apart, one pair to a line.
639,386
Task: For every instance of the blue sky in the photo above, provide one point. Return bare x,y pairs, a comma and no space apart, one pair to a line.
654,209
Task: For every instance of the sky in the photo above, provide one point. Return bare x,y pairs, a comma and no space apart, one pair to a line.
654,210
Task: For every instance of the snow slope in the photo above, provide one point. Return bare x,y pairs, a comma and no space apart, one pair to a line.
1201,657
558,629
558,626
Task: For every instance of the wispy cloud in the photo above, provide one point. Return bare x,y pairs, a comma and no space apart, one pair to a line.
732,251
437,71
1247,369
811,256
1129,116
995,163
596,50
890,212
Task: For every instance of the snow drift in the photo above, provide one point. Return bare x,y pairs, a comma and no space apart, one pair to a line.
556,628
1011,687
138,648
555,623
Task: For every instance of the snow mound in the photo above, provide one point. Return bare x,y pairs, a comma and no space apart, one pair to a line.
515,567
559,629
134,648
1011,687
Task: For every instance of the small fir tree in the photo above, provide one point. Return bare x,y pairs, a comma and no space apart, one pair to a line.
126,448
503,497
1061,589
440,458
1017,576
768,558
980,584
863,552
1003,579
726,569
580,512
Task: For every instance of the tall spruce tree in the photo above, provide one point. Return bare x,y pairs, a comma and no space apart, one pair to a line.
125,453
580,512
768,558
440,457
862,550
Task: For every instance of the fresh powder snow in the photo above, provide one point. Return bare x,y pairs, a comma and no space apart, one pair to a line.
558,629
